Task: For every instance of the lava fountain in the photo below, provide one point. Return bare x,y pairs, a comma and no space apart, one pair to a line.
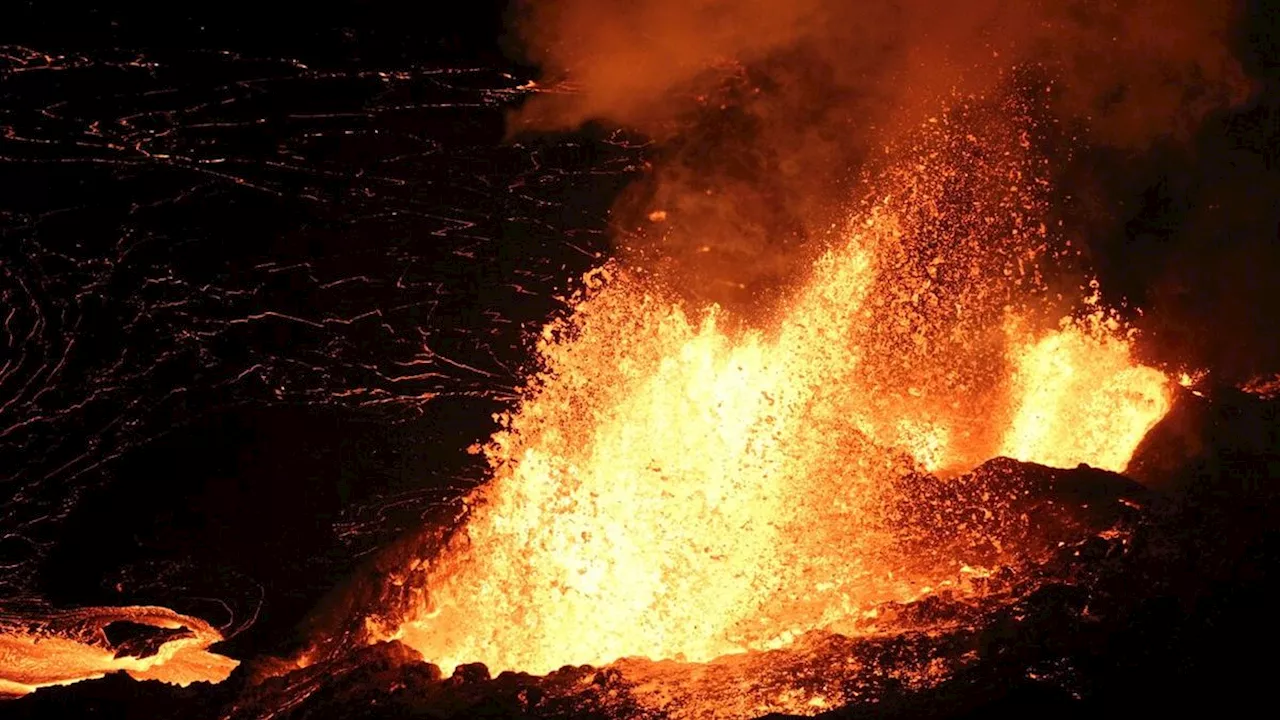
681,484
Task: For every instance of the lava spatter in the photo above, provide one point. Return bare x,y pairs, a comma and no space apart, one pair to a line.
678,486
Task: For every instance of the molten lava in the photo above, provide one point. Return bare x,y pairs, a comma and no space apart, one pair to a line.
62,647
1081,398
679,484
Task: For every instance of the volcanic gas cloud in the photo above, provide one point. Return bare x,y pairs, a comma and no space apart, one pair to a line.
846,271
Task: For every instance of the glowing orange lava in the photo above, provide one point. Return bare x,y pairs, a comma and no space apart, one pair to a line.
59,648
677,486
1081,398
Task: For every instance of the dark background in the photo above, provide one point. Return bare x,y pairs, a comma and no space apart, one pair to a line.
270,267
342,32
269,274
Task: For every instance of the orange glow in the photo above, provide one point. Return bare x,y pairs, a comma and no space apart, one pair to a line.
67,647
1081,398
683,485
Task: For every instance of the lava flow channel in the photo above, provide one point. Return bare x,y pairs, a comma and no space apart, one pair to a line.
679,484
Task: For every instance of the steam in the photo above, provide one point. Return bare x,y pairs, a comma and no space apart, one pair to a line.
1135,68
763,107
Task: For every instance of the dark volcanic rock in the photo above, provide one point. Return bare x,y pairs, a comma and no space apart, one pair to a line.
1007,512
471,672
118,696
132,639
390,680
1221,441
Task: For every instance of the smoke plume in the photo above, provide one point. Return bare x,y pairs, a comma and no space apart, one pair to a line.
767,111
